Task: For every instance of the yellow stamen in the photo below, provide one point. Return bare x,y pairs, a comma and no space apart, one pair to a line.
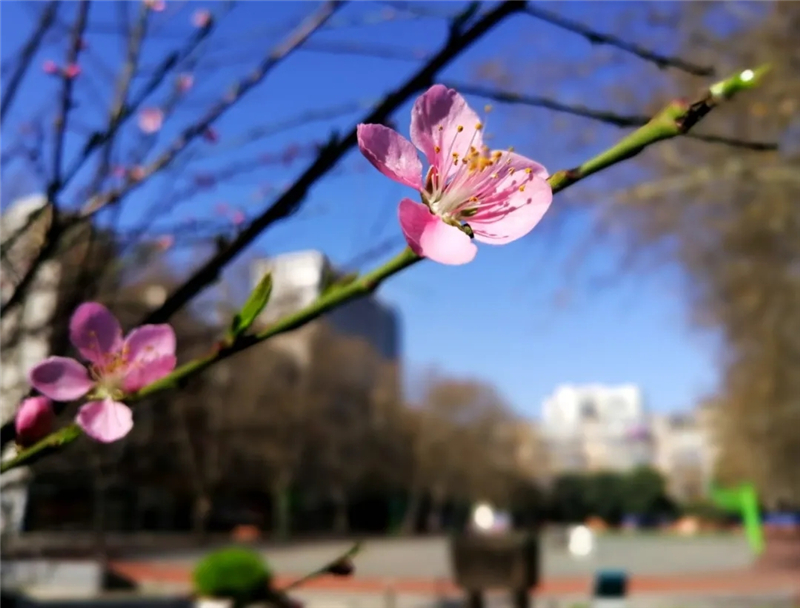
437,149
459,128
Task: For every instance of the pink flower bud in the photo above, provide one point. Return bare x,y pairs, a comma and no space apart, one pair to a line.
201,18
150,120
34,420
211,135
73,70
136,173
238,218
50,67
165,242
185,82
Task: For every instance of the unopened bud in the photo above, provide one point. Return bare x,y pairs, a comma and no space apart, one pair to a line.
34,420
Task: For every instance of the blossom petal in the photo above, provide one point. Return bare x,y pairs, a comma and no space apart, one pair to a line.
430,237
435,120
60,378
391,154
149,342
142,373
94,331
515,215
106,420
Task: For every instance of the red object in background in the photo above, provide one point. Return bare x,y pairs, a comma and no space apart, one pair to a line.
245,533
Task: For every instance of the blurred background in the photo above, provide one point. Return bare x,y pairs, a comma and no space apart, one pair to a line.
638,349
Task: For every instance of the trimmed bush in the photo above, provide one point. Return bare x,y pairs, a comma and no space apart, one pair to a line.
235,573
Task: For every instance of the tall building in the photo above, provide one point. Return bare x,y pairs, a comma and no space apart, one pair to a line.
685,452
298,278
24,333
596,427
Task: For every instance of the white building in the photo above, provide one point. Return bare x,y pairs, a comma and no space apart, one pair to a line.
685,452
25,335
298,278
596,427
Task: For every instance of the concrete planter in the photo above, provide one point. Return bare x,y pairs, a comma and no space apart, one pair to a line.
503,561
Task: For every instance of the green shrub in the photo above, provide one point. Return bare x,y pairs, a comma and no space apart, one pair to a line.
236,573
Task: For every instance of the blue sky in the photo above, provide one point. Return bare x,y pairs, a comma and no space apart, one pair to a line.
495,318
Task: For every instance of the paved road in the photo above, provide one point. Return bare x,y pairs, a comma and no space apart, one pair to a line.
428,558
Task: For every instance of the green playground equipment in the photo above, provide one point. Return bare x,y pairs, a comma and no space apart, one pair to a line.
743,500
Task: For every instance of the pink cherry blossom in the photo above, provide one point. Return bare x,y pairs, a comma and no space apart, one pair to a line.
150,120
50,67
493,196
116,366
185,82
34,420
238,218
201,18
73,70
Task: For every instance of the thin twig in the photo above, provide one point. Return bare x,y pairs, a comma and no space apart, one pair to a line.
595,37
76,44
292,43
611,118
136,36
26,56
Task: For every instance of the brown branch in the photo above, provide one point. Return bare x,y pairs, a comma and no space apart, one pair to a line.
237,92
611,118
595,37
289,202
29,50
135,38
76,44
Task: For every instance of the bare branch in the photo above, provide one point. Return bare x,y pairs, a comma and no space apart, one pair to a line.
26,56
292,43
76,44
595,37
611,118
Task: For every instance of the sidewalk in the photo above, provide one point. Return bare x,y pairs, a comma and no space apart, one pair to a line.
743,582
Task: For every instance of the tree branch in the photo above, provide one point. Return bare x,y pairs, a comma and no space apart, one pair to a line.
604,116
26,56
674,120
595,37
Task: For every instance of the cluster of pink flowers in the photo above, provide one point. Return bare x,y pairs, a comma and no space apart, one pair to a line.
117,366
469,191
